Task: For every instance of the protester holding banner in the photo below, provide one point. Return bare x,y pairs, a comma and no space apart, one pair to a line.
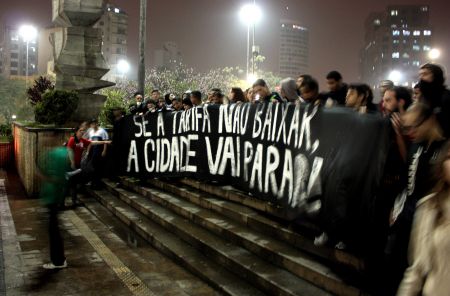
421,126
360,98
429,247
262,94
435,93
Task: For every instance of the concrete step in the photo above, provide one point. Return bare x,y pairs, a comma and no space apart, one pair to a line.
254,220
175,248
267,277
259,243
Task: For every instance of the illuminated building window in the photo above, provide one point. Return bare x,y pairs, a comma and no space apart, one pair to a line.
396,41
395,55
416,33
424,8
377,22
416,47
396,32
394,12
426,48
406,33
416,63
427,33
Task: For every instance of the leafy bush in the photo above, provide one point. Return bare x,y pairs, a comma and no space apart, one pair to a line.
56,107
5,132
114,101
41,85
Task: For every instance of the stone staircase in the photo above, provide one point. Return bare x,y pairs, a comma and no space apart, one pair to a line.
228,239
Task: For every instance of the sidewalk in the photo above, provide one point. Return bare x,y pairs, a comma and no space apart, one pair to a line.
100,262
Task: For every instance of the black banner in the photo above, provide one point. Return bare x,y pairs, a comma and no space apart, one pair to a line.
299,156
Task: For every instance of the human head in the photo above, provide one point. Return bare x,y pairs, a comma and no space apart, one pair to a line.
162,102
419,122
151,104
288,89
417,94
216,98
138,97
397,99
187,104
93,123
300,80
196,98
211,94
236,95
334,80
432,73
249,94
80,130
155,94
384,85
177,104
260,89
309,89
358,95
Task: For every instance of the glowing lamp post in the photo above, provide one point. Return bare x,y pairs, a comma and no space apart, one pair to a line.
250,14
28,34
434,54
123,67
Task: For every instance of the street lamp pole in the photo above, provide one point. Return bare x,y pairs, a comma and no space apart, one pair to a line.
142,43
27,33
250,14
248,48
253,41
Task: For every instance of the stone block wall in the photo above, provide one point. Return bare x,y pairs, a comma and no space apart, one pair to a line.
30,144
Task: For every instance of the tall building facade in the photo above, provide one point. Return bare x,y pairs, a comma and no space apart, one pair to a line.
168,57
397,42
114,26
13,53
294,49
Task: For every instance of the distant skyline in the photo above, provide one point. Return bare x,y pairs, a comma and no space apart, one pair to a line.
210,34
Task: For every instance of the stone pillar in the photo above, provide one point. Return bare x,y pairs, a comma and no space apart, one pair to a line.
77,50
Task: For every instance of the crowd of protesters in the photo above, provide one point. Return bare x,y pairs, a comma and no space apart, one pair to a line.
413,205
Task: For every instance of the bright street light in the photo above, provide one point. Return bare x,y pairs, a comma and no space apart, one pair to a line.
434,54
28,34
395,76
250,14
123,67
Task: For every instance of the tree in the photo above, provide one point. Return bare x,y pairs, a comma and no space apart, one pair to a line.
13,100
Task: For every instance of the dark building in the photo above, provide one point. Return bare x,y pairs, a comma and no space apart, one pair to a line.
397,42
13,53
293,58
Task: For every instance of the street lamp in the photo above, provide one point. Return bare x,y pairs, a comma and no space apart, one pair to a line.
123,67
250,14
28,34
395,76
434,54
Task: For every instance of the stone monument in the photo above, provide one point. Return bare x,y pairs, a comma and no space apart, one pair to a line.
77,50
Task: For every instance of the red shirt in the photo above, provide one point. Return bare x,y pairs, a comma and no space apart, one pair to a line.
78,149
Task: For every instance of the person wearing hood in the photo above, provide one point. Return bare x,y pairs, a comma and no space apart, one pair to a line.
435,93
288,90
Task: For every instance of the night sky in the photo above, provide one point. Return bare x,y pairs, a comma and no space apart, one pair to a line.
210,34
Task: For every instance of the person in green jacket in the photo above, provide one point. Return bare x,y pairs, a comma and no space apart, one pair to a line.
52,168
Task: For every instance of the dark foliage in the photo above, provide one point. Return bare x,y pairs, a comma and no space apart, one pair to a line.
40,86
56,107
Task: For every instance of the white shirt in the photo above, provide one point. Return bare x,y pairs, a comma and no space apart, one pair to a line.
100,133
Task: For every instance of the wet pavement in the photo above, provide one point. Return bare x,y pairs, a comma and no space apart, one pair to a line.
104,257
